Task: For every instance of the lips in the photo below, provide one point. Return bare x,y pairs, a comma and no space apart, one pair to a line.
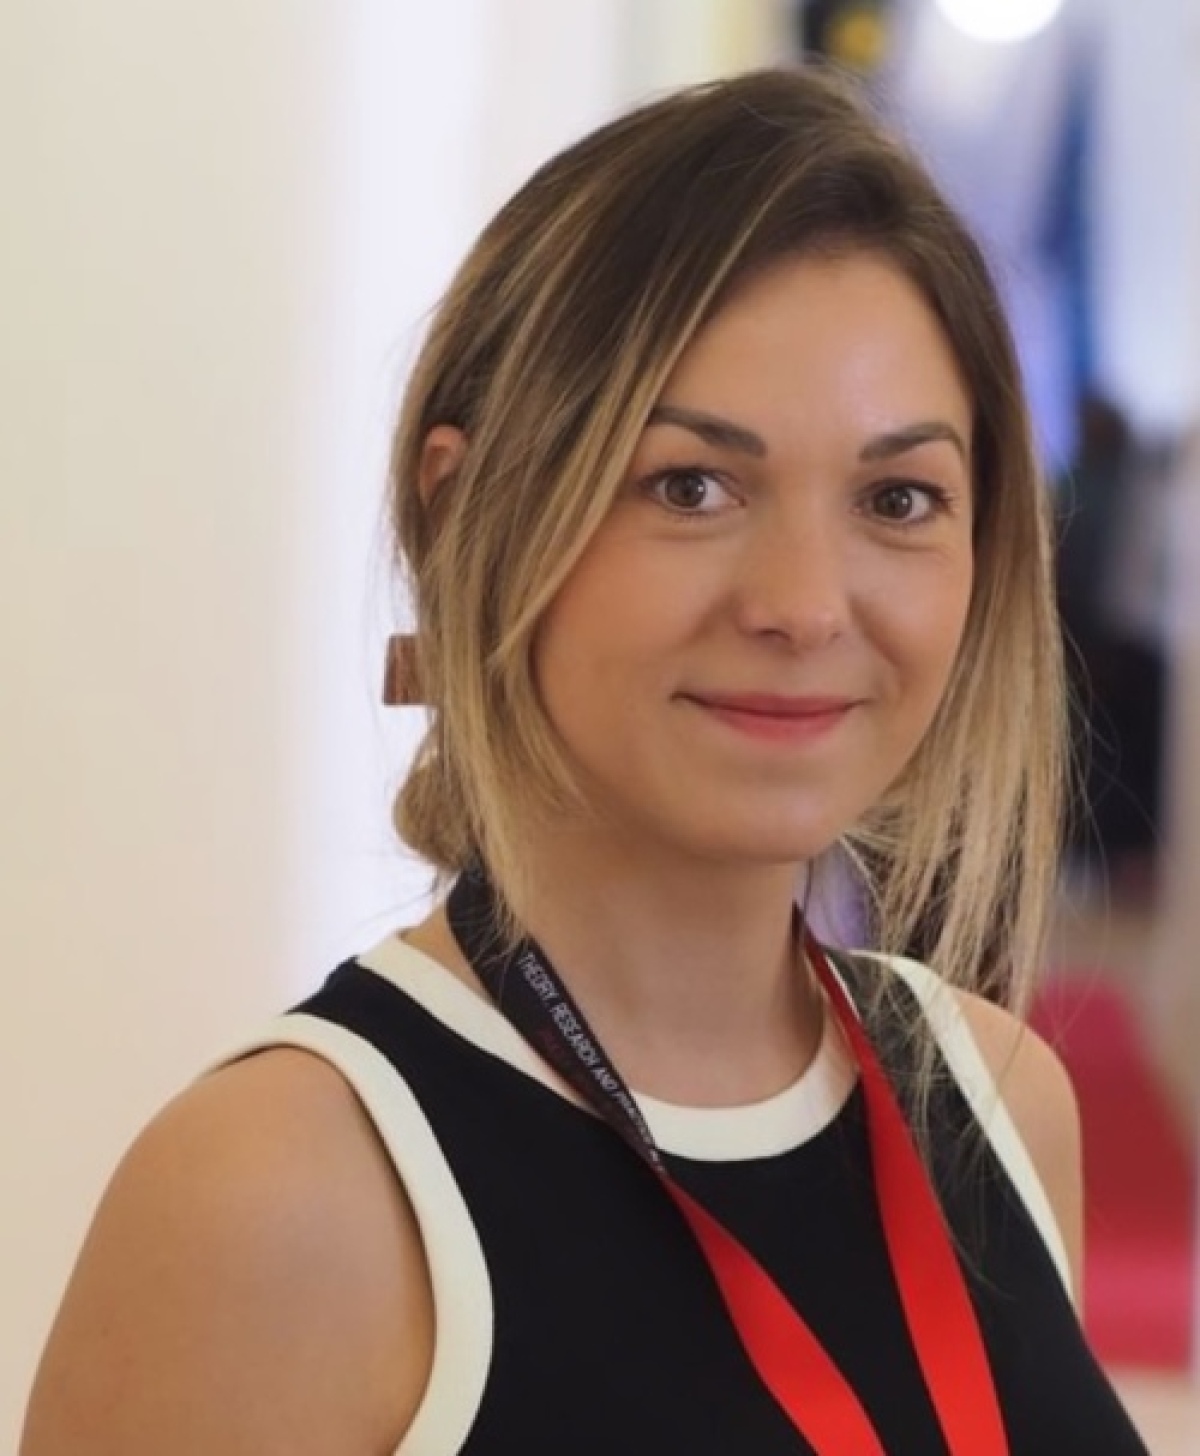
776,717
773,705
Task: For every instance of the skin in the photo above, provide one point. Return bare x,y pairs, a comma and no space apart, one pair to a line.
254,1280
810,563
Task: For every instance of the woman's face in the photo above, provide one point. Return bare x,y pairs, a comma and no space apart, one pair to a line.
753,644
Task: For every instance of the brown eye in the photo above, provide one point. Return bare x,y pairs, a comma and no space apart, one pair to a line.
896,502
686,490
902,504
690,492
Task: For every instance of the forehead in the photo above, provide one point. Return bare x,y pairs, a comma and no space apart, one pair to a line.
822,340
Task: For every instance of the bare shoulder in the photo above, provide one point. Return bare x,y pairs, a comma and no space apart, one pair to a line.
1040,1099
253,1281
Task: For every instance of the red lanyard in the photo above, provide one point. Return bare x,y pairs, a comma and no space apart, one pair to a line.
790,1360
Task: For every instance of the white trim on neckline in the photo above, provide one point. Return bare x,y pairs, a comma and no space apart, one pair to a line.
762,1129
461,1285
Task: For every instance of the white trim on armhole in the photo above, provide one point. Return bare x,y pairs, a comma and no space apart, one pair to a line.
462,1291
957,1044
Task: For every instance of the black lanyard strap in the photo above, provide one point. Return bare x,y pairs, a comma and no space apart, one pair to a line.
790,1360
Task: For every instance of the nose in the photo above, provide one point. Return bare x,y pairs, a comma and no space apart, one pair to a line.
793,581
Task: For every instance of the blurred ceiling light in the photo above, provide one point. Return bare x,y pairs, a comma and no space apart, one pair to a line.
1000,20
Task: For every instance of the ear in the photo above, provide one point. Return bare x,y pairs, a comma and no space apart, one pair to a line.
441,455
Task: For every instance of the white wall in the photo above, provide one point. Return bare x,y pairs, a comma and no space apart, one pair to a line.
205,292
224,223
165,311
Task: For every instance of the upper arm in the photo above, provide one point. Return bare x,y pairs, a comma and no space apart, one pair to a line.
253,1282
1040,1099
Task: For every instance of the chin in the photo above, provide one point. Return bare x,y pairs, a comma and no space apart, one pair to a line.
762,842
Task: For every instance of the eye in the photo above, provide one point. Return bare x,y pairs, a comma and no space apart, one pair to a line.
689,491
907,503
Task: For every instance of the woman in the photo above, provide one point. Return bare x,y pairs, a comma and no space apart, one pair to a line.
715,487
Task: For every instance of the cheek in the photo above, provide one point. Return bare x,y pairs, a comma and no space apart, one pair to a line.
580,635
622,606
922,622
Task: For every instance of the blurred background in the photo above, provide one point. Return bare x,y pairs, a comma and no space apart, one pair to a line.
225,224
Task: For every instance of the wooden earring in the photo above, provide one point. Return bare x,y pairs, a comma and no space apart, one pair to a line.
401,677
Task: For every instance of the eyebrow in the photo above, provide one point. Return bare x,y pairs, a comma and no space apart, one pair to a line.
896,442
713,430
725,434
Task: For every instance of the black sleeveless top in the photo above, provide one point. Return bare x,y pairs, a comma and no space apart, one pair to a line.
594,1324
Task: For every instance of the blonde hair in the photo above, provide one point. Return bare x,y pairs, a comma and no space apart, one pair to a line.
550,349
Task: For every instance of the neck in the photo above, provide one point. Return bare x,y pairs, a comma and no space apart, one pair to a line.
688,973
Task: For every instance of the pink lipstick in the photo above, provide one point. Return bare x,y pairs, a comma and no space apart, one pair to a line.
775,717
